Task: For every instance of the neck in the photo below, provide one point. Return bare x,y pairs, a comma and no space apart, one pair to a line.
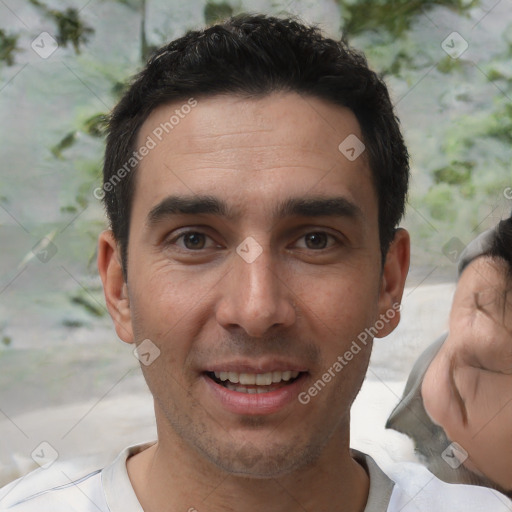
171,475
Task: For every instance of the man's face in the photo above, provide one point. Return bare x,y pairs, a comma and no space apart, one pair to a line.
254,257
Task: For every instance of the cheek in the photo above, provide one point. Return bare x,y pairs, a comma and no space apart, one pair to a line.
345,307
490,453
437,395
162,295
489,436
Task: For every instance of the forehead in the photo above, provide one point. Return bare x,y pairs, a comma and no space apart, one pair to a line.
483,273
484,283
252,150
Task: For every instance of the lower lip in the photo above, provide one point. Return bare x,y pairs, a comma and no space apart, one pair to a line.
257,403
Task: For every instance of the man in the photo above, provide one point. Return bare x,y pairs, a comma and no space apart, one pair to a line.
254,177
461,387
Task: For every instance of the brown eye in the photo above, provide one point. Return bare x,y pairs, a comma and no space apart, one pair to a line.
194,240
316,240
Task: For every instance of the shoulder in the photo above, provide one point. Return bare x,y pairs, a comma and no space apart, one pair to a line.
55,490
75,487
418,490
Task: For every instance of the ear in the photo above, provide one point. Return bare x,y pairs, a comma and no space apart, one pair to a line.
393,278
114,285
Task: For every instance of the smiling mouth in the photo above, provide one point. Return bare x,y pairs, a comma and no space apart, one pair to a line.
252,383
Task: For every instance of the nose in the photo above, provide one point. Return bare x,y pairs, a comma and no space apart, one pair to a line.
255,297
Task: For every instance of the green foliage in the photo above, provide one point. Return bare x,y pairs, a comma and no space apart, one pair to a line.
133,4
501,70
8,47
391,56
119,88
70,27
448,65
88,303
395,16
457,173
96,126
459,130
68,209
501,126
92,172
439,201
214,12
72,324
66,142
466,144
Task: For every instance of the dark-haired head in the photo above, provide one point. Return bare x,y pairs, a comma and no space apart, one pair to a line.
502,244
253,56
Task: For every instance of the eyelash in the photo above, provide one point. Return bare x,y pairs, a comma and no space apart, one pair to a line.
185,233
182,234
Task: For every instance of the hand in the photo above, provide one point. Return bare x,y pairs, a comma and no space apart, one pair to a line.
467,389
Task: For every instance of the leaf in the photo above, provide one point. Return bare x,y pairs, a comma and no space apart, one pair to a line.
8,47
440,202
369,15
71,29
214,12
88,304
119,88
96,126
457,173
132,4
66,142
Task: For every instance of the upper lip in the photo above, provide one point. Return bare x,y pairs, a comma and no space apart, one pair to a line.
262,366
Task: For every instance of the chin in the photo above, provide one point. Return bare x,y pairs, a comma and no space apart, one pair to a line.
257,466
273,461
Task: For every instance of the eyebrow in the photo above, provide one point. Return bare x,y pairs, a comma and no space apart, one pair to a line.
318,207
188,205
292,207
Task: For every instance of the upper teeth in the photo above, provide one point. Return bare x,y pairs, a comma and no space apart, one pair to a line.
260,379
